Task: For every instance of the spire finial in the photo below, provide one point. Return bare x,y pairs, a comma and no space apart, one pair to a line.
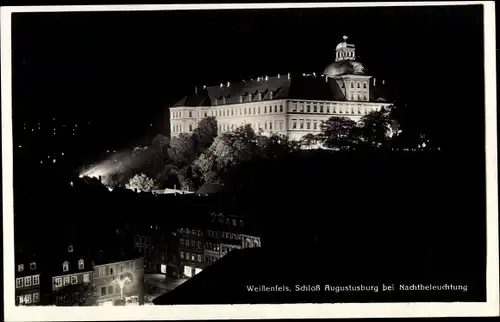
345,37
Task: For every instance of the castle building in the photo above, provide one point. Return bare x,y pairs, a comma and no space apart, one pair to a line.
291,105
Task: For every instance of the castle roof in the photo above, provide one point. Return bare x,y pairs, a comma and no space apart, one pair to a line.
303,86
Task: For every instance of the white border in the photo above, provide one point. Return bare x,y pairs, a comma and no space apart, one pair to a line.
185,312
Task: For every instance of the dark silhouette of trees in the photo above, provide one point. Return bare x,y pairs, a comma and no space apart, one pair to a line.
339,133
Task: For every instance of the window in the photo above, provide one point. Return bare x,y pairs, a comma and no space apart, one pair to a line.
66,280
36,297
270,125
190,114
110,289
27,281
275,108
364,97
65,266
33,266
198,244
358,85
36,279
74,280
20,299
227,221
182,255
19,282
294,124
308,124
301,124
199,258
111,270
315,125
58,282
308,108
190,127
187,256
352,85
315,108
281,108
70,248
86,278
103,291
193,244
122,267
20,267
181,241
102,271
234,222
81,264
27,298
192,257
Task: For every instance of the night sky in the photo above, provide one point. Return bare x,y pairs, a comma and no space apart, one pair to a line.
121,70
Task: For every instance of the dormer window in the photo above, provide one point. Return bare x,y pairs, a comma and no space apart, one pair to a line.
271,95
32,266
65,266
70,248
20,267
81,264
241,223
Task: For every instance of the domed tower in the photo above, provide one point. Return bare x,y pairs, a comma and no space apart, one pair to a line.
345,51
349,73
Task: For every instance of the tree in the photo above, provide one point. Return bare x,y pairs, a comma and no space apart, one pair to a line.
183,149
141,183
75,295
205,134
377,127
309,140
339,133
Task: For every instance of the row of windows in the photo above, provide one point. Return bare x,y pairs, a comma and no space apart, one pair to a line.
81,265
144,239
187,231
27,281
278,125
20,267
111,269
28,298
322,108
210,259
219,234
228,221
194,244
308,124
64,281
234,111
345,54
212,246
191,256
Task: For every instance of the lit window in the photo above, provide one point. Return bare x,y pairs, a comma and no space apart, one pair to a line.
19,282
198,244
33,266
36,297
36,279
66,281
81,264
111,270
27,298
193,257
193,243
65,266
74,280
182,255
102,271
163,269
20,267
199,258
20,299
70,248
27,281
58,282
86,278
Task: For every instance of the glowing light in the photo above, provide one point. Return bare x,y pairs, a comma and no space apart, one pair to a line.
41,162
62,153
20,146
54,161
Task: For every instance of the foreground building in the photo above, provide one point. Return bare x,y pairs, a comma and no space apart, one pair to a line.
292,105
27,279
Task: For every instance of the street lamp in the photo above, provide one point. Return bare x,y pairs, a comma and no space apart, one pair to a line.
123,280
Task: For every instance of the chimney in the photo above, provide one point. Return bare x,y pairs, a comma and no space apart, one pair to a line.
100,179
374,81
271,95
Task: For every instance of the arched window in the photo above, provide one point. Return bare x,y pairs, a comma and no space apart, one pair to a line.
358,85
364,85
352,85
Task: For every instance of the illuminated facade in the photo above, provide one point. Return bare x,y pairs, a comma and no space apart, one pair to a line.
118,281
27,280
292,105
